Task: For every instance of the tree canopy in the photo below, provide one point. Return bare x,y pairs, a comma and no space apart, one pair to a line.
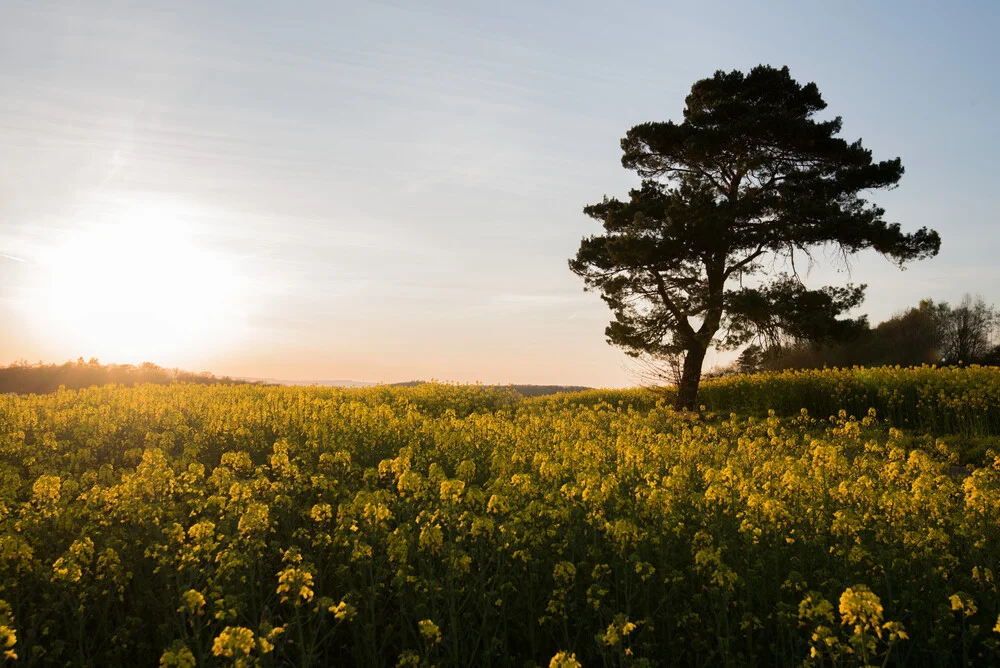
703,252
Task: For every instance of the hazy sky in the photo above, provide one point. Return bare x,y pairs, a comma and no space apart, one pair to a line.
385,191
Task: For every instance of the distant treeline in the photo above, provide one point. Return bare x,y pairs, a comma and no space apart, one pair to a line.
40,378
930,333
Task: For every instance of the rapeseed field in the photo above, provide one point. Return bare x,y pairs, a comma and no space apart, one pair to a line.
812,518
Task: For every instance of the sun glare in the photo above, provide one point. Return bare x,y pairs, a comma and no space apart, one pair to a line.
141,288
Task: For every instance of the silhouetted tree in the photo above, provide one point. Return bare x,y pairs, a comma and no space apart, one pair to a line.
909,338
749,176
967,331
931,333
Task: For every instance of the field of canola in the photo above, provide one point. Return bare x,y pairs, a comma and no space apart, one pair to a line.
464,526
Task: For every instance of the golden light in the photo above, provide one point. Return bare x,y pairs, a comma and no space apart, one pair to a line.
141,286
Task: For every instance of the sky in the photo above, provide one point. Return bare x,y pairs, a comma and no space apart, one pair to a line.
387,191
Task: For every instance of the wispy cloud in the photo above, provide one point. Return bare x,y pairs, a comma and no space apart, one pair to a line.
545,300
410,176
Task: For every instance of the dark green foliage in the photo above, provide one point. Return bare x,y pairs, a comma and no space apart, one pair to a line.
786,308
909,338
746,182
931,333
751,360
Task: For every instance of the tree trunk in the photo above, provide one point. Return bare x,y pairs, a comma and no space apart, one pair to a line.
687,390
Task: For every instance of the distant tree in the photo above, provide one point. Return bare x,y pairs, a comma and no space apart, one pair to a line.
751,360
931,333
967,331
910,338
749,178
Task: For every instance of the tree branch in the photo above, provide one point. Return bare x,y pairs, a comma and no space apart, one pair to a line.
683,325
745,261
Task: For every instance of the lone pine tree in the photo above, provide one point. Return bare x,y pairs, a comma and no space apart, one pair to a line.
749,179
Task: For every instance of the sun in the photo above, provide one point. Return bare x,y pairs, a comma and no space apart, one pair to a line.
141,287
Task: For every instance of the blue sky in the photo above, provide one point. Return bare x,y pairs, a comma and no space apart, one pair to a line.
387,191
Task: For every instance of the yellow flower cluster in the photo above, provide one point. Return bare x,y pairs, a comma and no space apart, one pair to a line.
8,636
430,631
295,583
193,602
236,643
565,660
178,655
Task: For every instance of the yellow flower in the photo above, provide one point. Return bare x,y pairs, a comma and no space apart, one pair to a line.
496,504
256,519
431,538
69,568
8,636
564,660
237,461
193,602
617,630
45,490
233,642
896,631
429,630
178,656
266,643
342,611
564,572
960,601
298,581
451,490
860,607
408,658
321,512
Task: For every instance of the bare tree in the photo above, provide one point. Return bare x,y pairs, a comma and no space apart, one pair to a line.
967,330
661,373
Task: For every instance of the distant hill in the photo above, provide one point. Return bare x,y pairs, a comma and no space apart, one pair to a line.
542,390
523,390
325,383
